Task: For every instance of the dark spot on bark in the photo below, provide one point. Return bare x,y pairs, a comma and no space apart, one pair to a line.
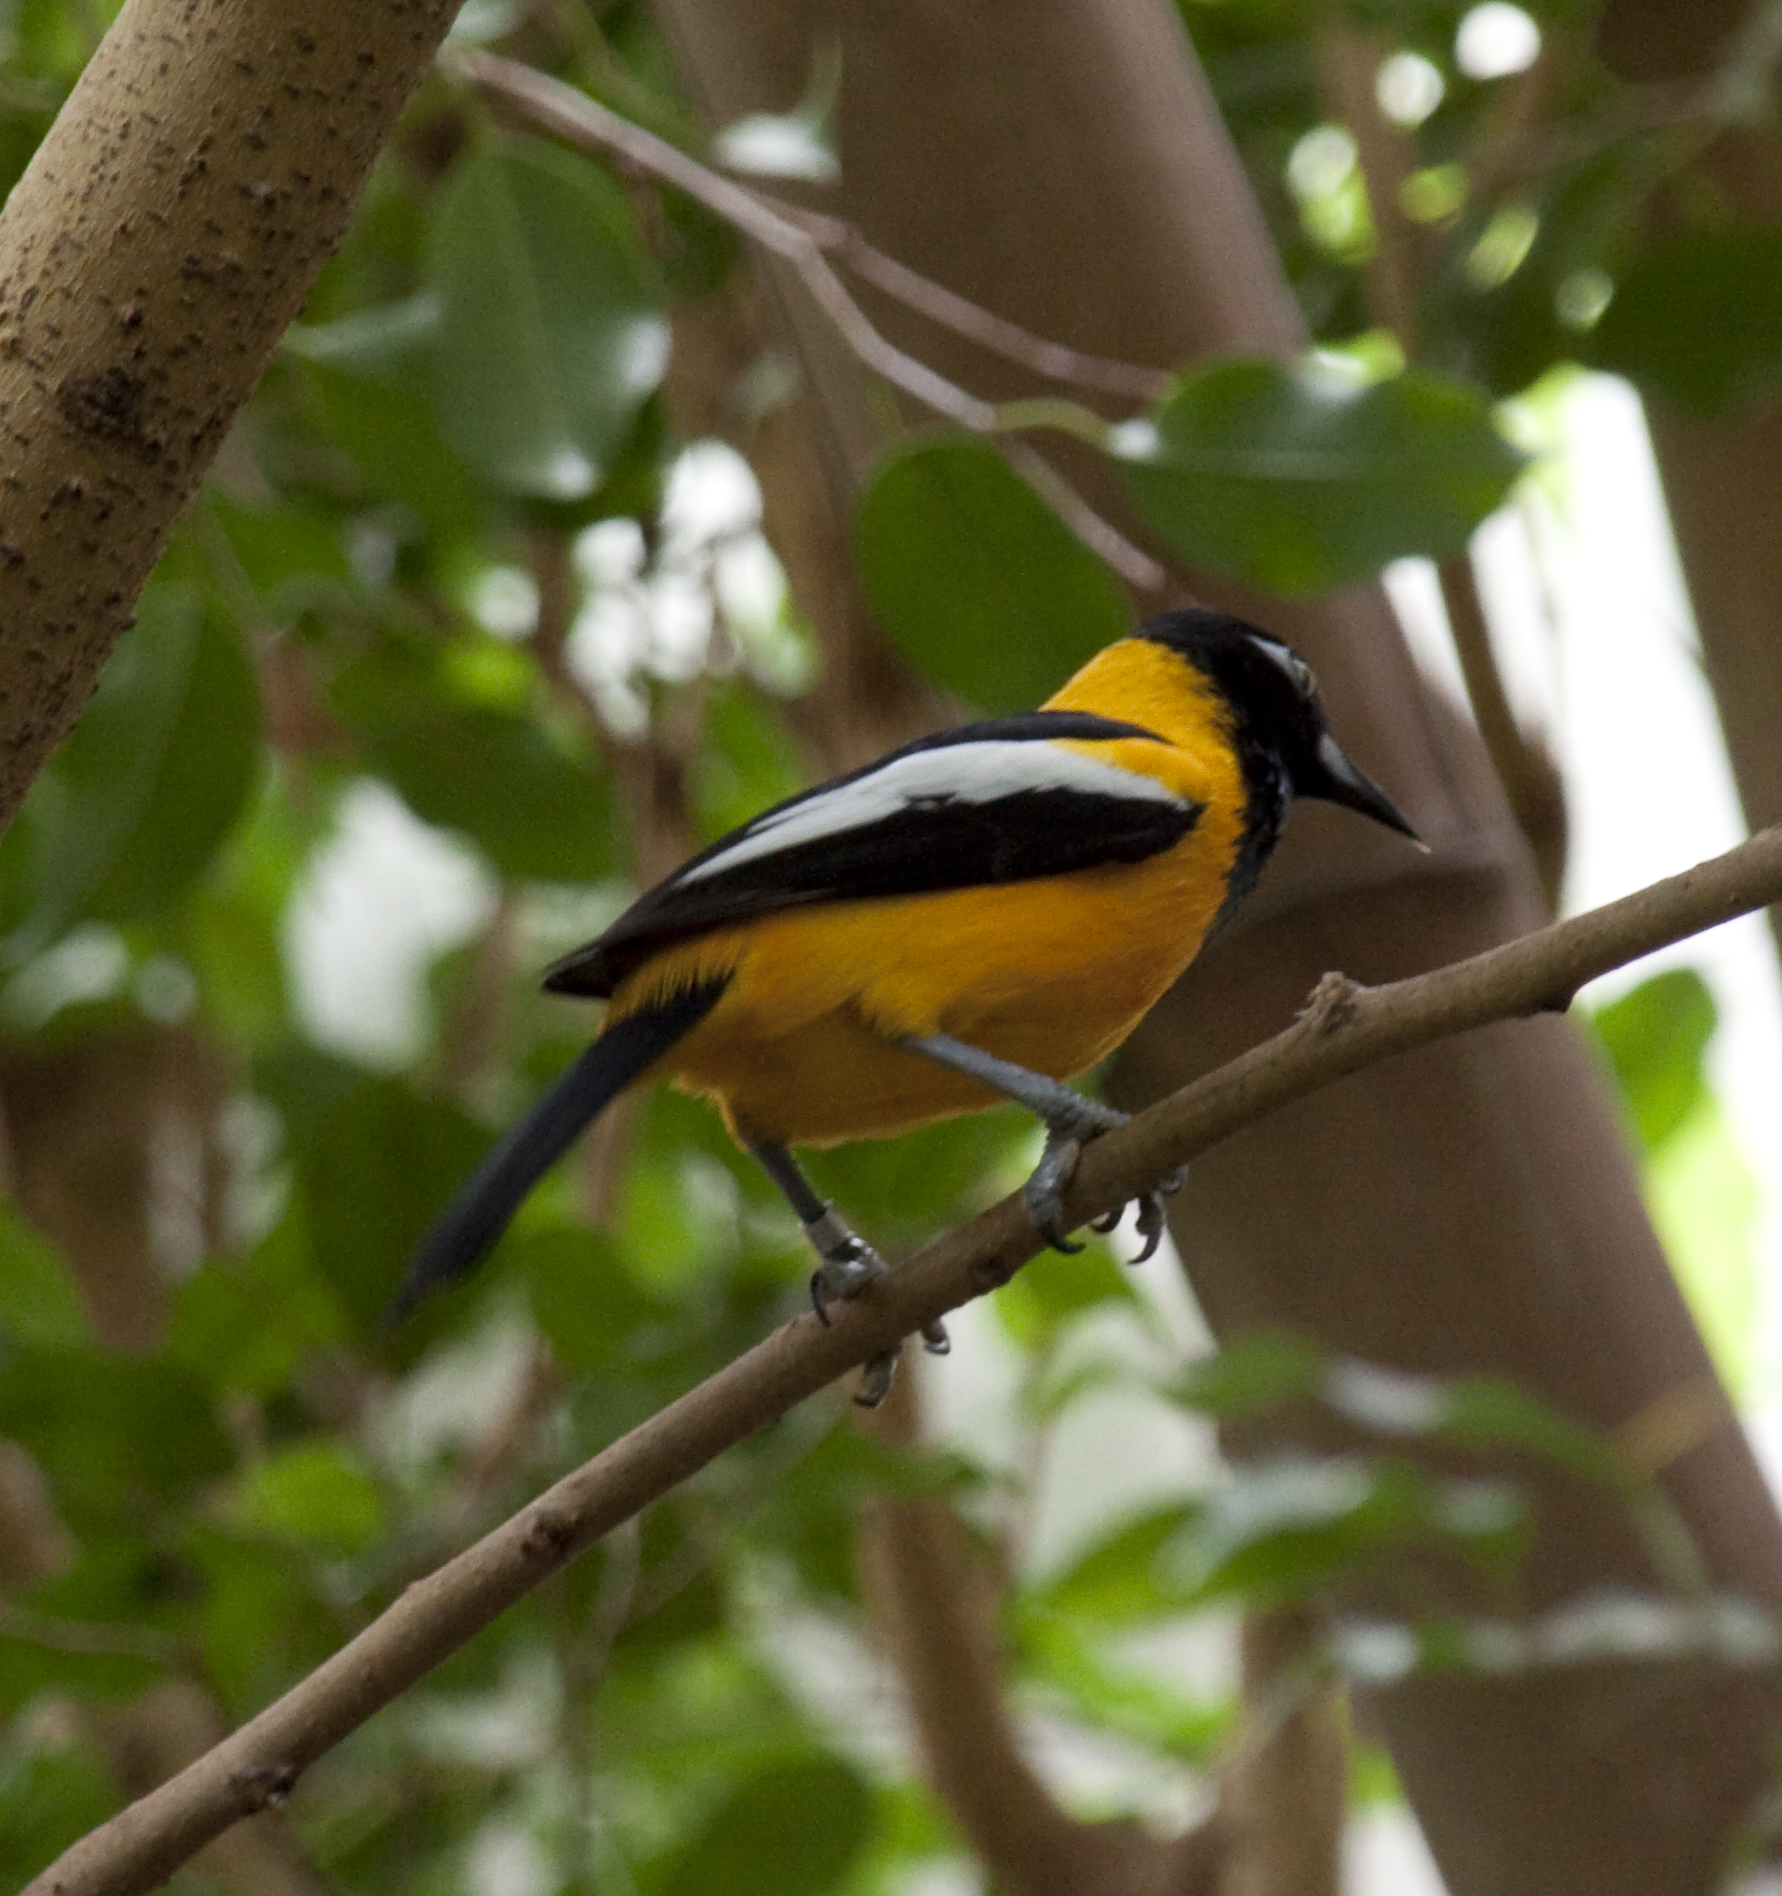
548,1534
130,317
107,406
10,555
261,1786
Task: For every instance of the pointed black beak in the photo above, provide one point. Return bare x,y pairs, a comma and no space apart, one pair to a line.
1337,780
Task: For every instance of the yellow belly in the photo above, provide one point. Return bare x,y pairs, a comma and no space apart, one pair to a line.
799,1050
1052,974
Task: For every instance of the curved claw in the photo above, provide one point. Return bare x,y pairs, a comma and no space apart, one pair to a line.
1151,1225
877,1374
844,1273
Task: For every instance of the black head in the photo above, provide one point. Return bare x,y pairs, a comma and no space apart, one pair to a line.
1278,719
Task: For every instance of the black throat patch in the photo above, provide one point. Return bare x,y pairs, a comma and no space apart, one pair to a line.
1266,796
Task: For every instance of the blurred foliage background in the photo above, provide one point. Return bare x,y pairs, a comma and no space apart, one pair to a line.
460,580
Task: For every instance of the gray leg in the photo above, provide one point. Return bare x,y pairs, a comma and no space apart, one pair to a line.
848,1265
1071,1121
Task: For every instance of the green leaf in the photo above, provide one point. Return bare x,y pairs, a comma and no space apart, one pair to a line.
110,1430
1296,479
130,810
377,440
791,1830
551,331
492,775
315,1494
1122,1577
376,1167
1034,1305
586,1302
1656,1036
977,580
54,1788
1291,1525
38,1299
1699,320
1252,1375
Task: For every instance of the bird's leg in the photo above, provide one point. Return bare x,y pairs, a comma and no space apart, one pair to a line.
848,1264
1071,1121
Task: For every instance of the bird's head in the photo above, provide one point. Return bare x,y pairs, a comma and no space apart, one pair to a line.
1275,708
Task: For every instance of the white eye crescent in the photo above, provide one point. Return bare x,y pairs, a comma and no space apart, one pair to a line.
1291,663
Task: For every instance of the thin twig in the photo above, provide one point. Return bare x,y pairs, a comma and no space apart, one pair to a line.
1344,1028
1134,565
585,122
1054,360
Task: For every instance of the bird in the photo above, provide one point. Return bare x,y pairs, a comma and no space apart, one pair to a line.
977,916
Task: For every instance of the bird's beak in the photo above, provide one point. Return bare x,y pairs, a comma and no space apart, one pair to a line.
1338,781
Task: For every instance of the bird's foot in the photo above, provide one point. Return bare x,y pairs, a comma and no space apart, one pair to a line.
1070,1125
849,1262
1044,1191
849,1265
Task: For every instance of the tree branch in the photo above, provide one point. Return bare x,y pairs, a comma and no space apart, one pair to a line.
164,235
1343,1028
800,243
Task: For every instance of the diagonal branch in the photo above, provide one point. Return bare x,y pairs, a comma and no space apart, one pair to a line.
1344,1028
800,243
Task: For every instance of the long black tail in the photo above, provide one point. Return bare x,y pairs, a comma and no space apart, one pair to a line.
469,1226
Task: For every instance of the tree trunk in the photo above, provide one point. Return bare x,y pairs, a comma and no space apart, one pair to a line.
164,236
1469,1206
1723,477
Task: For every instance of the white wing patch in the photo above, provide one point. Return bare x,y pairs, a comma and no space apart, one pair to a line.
983,771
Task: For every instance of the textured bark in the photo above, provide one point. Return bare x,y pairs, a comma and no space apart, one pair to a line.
1465,1206
1723,476
165,234
1284,1807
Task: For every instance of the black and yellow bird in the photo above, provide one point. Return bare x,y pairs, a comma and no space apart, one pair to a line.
977,916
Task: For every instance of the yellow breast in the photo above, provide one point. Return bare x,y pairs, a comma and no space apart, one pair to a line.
1051,974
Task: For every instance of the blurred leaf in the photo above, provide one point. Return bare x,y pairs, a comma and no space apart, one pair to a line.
493,775
53,1789
1122,1578
316,1495
1034,1304
1299,480
551,327
1149,1703
1705,1200
111,1431
1252,1375
388,339
791,1830
248,1322
1699,319
1488,1411
586,1302
377,1166
291,556
1656,1036
1505,334
1290,1526
259,1623
39,1303
978,581
128,812
383,442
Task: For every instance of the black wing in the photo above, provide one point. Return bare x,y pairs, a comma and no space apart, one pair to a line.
992,802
